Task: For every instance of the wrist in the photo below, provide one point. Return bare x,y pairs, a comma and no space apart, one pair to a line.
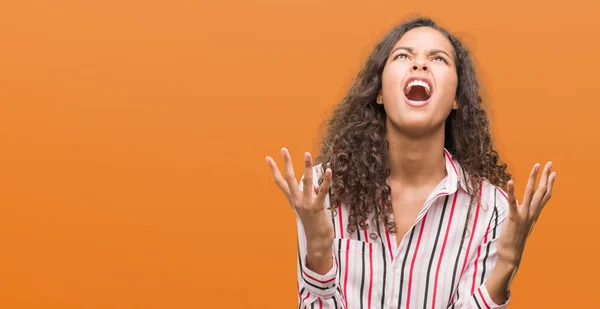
319,255
318,246
502,275
507,265
498,284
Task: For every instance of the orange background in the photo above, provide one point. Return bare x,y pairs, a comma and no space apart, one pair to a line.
133,133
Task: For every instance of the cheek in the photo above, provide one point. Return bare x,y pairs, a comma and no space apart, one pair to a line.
447,82
392,77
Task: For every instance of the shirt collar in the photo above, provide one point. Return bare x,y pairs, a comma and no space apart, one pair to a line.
455,178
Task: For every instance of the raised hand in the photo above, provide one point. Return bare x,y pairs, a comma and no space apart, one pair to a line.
521,218
310,209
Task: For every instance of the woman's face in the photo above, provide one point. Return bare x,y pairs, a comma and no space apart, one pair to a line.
419,82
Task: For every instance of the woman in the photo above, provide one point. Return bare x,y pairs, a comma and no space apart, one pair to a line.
404,207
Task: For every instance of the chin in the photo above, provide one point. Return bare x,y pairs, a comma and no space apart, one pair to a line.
416,125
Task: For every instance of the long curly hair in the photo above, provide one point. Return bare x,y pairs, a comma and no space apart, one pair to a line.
355,146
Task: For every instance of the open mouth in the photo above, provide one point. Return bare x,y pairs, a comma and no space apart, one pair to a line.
418,91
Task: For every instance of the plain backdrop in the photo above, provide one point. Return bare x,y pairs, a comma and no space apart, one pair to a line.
134,133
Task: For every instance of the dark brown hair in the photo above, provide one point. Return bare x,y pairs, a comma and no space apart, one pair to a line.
355,145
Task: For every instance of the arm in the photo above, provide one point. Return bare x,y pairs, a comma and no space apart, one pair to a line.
317,283
510,244
519,224
317,268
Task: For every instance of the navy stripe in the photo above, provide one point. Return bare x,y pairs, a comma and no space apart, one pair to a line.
362,280
300,298
487,250
437,236
462,239
476,302
412,233
384,257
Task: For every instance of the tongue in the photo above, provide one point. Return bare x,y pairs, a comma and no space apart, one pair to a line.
417,93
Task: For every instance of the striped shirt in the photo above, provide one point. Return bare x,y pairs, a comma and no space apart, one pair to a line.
442,261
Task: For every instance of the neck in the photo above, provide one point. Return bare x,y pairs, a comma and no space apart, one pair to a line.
416,161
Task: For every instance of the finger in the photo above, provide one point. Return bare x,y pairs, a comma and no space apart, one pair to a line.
324,188
277,177
529,189
549,190
290,177
307,186
536,203
531,229
512,201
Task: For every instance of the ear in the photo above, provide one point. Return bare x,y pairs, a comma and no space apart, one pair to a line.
380,98
454,105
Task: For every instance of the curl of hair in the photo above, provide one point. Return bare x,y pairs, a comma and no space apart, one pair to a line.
356,149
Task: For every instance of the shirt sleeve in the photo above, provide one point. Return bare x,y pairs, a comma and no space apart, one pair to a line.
320,291
472,292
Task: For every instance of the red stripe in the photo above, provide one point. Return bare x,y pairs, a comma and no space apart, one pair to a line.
366,236
320,304
412,264
472,232
316,190
484,302
506,197
307,295
451,161
370,272
341,223
437,271
346,271
315,279
441,193
475,270
488,230
387,235
479,249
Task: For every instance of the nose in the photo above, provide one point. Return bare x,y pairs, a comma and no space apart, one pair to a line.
419,65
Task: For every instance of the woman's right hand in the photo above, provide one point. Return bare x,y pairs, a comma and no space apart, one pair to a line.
311,210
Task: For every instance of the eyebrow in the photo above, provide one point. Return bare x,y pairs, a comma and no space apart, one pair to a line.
437,51
428,52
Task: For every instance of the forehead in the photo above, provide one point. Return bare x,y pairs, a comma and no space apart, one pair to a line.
425,38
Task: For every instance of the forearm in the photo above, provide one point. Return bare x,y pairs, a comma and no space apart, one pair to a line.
317,280
500,278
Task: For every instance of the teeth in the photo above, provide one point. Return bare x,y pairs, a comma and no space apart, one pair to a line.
417,82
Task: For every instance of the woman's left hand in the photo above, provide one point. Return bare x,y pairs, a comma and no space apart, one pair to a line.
522,217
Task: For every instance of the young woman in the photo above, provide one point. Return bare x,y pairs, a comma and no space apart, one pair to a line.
404,207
